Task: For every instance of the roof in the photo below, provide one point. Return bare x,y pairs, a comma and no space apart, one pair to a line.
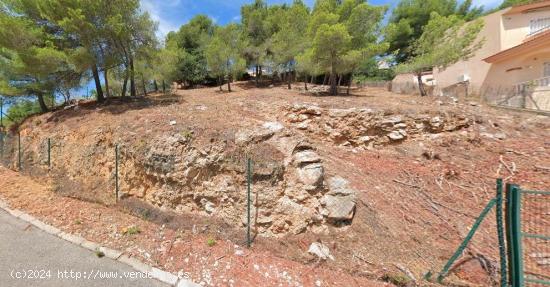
540,41
525,8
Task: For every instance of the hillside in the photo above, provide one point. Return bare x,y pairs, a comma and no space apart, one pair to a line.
390,183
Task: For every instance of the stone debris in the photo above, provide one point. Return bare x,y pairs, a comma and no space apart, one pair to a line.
320,250
365,128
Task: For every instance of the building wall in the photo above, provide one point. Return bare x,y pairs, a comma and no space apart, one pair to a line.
407,83
475,68
518,69
500,33
515,28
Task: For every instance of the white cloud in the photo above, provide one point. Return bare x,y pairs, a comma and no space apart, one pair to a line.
155,9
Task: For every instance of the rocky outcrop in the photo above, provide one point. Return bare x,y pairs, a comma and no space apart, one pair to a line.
363,127
290,191
339,202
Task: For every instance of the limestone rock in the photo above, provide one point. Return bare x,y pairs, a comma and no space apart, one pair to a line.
273,126
320,250
305,157
396,135
256,135
311,174
338,207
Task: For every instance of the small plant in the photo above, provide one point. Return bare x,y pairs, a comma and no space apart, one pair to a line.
211,242
131,230
78,221
99,254
397,279
187,134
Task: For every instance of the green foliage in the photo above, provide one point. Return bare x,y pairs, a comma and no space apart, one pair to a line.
509,3
257,28
369,71
445,41
410,16
223,53
21,108
291,39
211,242
183,59
131,230
344,35
397,279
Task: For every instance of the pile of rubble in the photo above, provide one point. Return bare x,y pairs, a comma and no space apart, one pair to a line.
363,127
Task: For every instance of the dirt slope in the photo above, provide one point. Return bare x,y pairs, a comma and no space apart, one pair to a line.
417,170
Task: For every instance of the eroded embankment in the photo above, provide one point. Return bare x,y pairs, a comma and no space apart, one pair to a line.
178,169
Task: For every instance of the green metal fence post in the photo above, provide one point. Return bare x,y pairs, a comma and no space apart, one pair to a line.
466,240
19,150
49,152
515,250
1,112
116,173
500,234
248,187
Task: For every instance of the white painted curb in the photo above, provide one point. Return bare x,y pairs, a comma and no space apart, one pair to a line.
159,274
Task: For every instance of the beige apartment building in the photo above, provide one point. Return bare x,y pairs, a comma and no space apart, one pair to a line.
513,66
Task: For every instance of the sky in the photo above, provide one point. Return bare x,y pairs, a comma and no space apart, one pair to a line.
171,14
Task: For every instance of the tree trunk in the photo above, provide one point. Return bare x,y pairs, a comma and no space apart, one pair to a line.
229,83
349,82
155,85
42,103
257,76
289,79
144,87
99,91
220,83
421,85
106,77
132,78
305,82
311,81
333,83
125,85
163,87
325,79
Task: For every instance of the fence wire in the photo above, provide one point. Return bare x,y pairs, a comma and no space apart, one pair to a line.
535,215
96,179
520,98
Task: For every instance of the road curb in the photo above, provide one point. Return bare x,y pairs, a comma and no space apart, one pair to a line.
158,274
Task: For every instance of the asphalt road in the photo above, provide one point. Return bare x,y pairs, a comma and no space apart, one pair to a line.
26,251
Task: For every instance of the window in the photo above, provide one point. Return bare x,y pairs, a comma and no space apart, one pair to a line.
547,69
538,25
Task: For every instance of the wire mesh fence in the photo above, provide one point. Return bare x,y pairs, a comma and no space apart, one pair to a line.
535,229
245,191
530,98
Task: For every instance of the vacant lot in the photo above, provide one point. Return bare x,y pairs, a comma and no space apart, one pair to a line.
420,170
